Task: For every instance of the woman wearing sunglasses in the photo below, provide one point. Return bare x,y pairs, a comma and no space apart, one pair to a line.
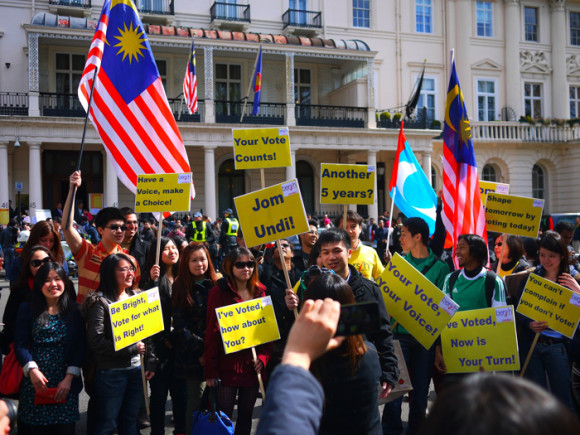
237,371
20,292
512,260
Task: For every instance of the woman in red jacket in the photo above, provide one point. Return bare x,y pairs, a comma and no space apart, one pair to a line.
237,371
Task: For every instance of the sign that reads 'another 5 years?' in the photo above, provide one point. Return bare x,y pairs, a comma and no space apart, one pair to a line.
257,148
136,318
163,192
273,213
347,184
483,338
486,187
546,301
414,301
247,324
513,214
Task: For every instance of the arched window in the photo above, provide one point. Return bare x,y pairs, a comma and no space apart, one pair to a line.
489,173
538,182
305,176
434,178
231,183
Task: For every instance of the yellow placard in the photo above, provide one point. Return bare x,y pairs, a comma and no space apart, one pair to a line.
256,148
273,213
247,324
486,187
347,184
414,301
544,300
136,318
4,216
163,192
483,338
513,214
96,202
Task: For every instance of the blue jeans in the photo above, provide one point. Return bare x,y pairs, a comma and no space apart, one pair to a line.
550,360
419,362
9,254
119,393
162,383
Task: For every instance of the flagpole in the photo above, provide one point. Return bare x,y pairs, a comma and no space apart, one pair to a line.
391,219
250,84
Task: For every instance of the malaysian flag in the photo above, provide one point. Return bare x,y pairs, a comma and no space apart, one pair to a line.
190,82
462,209
257,85
129,107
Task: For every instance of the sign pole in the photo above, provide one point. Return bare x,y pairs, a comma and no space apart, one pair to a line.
259,374
530,354
344,215
145,390
390,227
285,270
159,231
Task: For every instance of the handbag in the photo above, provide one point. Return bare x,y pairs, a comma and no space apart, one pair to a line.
208,419
11,374
47,397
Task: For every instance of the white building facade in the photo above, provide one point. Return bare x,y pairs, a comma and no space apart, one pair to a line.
330,69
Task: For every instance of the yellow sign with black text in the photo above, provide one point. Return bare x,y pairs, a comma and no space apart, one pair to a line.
513,214
247,324
546,301
484,338
4,216
136,318
273,213
260,148
486,187
414,301
347,184
163,192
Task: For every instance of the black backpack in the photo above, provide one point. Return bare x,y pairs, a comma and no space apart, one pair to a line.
489,284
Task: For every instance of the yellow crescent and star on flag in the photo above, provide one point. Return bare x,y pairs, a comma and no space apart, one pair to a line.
131,40
464,124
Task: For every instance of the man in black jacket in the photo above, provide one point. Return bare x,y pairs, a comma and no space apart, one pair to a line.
132,242
334,252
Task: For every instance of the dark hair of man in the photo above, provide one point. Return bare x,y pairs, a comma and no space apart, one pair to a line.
57,219
312,222
477,247
334,235
552,241
228,268
183,287
12,222
564,226
484,397
38,300
108,284
416,225
126,211
106,215
515,247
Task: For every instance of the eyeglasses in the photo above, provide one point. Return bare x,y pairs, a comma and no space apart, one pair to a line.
132,223
500,244
313,232
285,245
117,227
38,263
243,264
126,269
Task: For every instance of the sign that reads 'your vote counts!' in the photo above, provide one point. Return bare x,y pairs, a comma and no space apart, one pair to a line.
163,192
273,213
347,184
260,148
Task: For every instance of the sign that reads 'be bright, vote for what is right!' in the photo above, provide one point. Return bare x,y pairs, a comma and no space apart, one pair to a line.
347,184
261,148
163,192
273,213
513,214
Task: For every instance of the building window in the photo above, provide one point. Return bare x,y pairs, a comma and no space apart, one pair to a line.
538,182
231,183
427,99
162,67
69,69
361,13
574,102
575,28
489,174
228,89
305,176
298,11
424,16
533,100
302,86
484,19
531,24
486,100
434,178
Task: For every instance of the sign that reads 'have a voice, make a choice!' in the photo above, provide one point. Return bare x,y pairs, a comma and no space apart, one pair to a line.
513,214
163,192
347,184
261,148
273,213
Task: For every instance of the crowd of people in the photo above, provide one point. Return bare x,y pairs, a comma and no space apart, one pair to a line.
62,336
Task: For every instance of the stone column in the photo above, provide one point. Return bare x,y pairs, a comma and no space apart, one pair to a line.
427,165
513,86
291,170
208,74
210,180
372,119
290,103
111,187
560,105
34,179
464,33
4,180
374,207
33,87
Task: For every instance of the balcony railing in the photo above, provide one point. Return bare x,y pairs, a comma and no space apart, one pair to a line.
231,112
52,104
300,18
230,12
14,103
522,132
419,121
156,7
74,3
331,116
181,113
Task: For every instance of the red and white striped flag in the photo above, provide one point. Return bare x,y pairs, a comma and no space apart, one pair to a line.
129,107
190,82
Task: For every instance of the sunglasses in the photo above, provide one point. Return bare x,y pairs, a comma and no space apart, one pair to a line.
500,244
285,245
117,227
243,264
38,263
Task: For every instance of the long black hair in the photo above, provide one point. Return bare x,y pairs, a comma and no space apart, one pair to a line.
108,284
66,301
